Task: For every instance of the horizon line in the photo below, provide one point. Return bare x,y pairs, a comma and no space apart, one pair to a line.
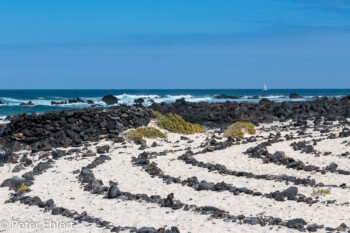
156,89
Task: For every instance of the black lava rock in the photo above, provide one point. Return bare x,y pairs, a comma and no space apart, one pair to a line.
139,101
147,230
113,192
206,186
103,149
110,99
223,96
295,96
290,193
297,223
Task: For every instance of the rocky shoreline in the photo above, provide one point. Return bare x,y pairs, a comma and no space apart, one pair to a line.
71,128
217,114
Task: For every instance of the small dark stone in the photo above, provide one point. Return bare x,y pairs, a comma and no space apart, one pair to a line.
312,228
186,208
41,167
290,192
103,149
13,158
57,211
113,192
28,175
206,186
297,223
332,167
154,144
147,230
139,141
119,139
116,229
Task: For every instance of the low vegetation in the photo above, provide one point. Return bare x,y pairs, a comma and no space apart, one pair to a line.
146,132
23,188
238,129
174,123
322,192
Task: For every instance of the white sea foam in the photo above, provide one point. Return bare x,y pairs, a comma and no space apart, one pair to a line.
3,120
128,99
201,99
127,96
172,98
273,96
41,101
11,101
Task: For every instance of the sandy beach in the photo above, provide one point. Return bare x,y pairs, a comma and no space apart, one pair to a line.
215,185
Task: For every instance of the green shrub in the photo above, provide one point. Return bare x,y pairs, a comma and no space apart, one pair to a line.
174,123
234,132
156,114
238,129
147,132
322,192
23,188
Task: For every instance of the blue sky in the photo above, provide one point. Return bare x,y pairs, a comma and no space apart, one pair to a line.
175,44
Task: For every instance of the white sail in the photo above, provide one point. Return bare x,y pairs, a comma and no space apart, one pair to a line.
265,87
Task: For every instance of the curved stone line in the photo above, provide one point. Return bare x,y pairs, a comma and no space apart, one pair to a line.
221,169
305,147
154,171
87,178
260,151
81,217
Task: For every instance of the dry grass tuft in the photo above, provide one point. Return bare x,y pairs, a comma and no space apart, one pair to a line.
322,192
146,132
174,123
238,129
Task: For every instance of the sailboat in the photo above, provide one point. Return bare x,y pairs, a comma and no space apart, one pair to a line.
265,87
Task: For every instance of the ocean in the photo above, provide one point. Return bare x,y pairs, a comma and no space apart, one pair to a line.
11,99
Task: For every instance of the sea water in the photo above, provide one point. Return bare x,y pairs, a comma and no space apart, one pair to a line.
42,98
